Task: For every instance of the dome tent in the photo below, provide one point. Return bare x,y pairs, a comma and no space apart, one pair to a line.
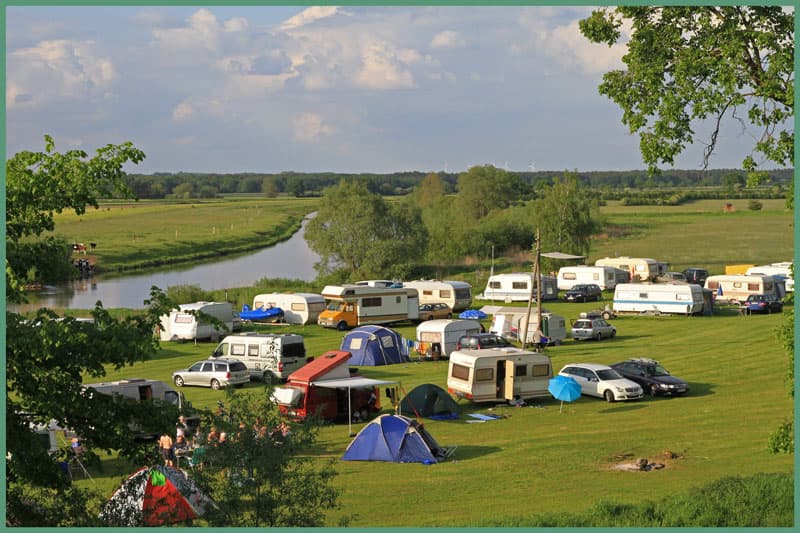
375,346
430,401
396,439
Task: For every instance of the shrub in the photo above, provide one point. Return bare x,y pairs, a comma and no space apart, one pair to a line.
754,205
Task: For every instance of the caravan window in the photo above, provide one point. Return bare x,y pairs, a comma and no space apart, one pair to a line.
237,349
596,276
494,284
737,284
643,295
460,372
640,268
427,293
252,350
444,294
519,285
569,275
298,307
184,318
540,371
520,370
463,294
484,374
754,287
371,302
713,284
171,396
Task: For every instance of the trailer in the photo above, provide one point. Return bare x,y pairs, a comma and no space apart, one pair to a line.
437,338
298,307
456,294
510,322
736,288
673,298
349,306
778,270
498,374
517,287
640,268
606,277
183,324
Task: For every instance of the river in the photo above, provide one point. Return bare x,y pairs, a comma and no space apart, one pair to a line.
291,259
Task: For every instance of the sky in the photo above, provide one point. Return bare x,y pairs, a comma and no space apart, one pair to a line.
323,89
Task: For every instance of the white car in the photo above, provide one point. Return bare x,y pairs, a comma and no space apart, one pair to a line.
602,381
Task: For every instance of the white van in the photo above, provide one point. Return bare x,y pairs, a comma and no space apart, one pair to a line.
267,355
182,325
456,294
437,338
498,374
298,307
606,277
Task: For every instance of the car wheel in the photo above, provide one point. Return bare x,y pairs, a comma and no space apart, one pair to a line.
613,333
597,337
178,381
430,317
449,315
653,390
609,396
341,326
214,384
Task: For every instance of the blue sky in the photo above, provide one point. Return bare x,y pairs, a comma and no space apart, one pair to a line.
341,89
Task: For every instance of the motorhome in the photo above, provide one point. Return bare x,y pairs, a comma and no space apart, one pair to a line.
456,294
437,338
677,298
325,387
639,268
349,306
182,324
783,270
268,356
510,322
298,307
141,389
736,288
517,287
498,374
606,277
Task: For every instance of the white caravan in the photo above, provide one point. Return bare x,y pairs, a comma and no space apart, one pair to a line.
783,269
510,322
640,268
267,356
298,307
437,338
349,306
498,374
456,294
606,277
737,287
181,324
517,287
677,298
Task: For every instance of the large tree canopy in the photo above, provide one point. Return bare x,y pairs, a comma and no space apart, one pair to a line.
702,63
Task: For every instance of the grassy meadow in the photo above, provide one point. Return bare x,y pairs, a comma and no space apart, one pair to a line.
534,459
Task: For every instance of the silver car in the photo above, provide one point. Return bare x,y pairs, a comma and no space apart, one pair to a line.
592,328
215,373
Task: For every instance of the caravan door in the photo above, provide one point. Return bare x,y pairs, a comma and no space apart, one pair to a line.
508,385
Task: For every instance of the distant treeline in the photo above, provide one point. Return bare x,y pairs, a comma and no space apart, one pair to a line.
613,185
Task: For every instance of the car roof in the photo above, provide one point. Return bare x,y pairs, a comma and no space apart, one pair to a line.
590,366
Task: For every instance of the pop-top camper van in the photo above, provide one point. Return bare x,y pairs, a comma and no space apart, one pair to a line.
349,306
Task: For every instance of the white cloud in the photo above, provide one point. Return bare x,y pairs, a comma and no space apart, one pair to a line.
448,39
57,70
568,43
309,127
309,15
183,111
202,31
382,68
236,25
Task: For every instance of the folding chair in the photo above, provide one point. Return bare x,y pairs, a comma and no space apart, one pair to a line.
76,450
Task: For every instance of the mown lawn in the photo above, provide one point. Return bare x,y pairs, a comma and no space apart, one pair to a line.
536,459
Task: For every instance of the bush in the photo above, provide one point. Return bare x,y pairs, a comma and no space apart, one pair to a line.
754,205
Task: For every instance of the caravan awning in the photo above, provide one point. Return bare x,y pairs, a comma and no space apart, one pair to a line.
561,255
351,383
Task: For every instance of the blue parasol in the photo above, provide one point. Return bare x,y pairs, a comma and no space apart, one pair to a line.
474,314
564,388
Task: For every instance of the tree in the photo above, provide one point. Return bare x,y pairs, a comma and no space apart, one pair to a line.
483,189
688,64
357,232
260,477
566,216
428,191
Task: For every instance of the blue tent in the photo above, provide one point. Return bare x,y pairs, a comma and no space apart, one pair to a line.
375,346
396,439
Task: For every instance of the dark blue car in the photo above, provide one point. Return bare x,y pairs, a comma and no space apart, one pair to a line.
763,303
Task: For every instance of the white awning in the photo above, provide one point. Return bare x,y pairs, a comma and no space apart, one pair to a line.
561,255
351,383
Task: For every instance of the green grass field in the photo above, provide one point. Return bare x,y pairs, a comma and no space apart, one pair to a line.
537,459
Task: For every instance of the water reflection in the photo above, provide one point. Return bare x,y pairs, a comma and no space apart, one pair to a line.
291,259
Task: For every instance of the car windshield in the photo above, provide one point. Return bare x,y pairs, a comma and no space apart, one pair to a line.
607,374
583,324
656,370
